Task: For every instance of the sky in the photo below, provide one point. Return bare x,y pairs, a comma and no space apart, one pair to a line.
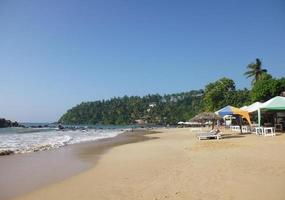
54,54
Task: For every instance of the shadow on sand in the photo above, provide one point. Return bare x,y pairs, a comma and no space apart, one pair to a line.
232,136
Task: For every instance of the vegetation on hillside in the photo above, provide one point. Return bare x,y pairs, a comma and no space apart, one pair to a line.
125,110
169,109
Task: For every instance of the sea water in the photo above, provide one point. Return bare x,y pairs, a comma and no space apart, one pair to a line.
24,140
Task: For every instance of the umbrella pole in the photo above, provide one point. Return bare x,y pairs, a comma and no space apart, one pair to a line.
240,124
259,117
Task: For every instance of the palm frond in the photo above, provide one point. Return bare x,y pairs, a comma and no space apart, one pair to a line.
252,66
250,75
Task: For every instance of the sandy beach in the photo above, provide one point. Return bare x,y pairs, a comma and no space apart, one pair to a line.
23,173
176,165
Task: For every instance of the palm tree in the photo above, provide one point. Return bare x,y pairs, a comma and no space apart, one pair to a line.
255,70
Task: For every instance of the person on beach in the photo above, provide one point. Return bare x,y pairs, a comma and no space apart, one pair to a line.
215,131
213,125
218,125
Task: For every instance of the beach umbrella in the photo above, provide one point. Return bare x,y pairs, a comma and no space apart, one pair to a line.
180,123
206,116
252,108
230,110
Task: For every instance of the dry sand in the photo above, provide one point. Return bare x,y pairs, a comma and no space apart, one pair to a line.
178,166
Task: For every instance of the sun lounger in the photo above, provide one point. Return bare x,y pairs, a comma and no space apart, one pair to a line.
210,135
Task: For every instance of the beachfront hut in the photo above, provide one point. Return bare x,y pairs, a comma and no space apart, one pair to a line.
206,116
275,104
230,110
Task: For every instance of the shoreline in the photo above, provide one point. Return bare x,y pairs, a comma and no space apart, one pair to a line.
24,173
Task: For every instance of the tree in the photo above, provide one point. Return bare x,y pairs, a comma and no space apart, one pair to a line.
222,93
255,70
239,98
264,90
218,93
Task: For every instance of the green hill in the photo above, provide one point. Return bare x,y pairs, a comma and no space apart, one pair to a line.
157,109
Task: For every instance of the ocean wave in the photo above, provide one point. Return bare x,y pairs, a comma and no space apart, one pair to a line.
40,141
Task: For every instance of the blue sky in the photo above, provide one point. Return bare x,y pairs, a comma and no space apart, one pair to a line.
55,54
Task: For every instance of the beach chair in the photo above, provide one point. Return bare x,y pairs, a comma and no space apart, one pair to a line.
246,129
210,135
265,131
259,130
269,131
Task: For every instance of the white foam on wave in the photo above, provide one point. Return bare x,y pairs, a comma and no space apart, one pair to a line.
93,135
39,141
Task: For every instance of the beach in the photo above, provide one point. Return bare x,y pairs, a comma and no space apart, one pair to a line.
25,172
173,164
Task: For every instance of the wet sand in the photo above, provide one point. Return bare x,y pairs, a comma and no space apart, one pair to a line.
23,173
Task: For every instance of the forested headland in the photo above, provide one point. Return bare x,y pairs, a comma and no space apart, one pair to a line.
171,108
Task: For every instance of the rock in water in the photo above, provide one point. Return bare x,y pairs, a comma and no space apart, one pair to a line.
6,152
